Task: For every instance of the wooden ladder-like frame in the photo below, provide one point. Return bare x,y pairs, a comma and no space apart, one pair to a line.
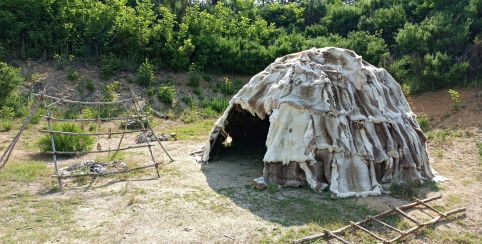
139,114
393,210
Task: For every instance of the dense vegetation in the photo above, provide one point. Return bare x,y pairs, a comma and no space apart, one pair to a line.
426,44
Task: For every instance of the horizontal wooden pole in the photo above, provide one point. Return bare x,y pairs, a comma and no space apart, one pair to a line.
62,100
98,151
90,134
107,174
93,120
367,231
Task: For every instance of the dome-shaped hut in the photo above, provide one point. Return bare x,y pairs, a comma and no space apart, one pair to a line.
329,119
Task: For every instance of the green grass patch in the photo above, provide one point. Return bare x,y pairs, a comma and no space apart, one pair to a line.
67,142
196,130
24,171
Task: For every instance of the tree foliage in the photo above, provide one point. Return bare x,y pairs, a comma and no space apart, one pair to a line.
428,42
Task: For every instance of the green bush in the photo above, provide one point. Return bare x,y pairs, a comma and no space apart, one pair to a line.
67,142
90,86
190,115
145,74
423,122
6,124
7,112
197,91
455,97
9,80
61,61
194,75
73,75
228,86
216,104
109,93
167,94
109,65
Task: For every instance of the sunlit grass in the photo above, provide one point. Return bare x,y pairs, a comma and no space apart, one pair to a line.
194,131
24,171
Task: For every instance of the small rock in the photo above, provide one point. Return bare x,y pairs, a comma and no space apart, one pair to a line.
141,138
259,183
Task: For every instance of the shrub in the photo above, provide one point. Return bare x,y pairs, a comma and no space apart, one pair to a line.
455,97
6,124
7,112
90,86
145,74
194,74
190,115
273,187
67,142
87,113
62,60
423,122
167,94
207,78
187,100
109,65
73,75
197,91
216,104
9,80
228,86
109,92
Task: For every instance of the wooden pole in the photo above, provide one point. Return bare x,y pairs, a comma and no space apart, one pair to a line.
125,129
6,155
150,127
98,151
137,108
52,142
89,134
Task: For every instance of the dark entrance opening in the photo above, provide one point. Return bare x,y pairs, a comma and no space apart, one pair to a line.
246,136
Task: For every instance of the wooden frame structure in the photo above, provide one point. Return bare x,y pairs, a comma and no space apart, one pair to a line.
393,210
139,114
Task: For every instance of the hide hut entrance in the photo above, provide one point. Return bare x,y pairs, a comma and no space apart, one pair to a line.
244,136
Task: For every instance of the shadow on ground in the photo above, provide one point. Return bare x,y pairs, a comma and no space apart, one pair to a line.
291,207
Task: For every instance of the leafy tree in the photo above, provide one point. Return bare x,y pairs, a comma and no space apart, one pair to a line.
341,18
145,74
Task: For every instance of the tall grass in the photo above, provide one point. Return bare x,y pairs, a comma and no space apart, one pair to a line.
67,142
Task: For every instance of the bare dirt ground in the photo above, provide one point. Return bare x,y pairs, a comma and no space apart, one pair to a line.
215,202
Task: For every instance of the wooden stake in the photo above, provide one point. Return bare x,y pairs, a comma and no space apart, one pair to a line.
369,232
52,142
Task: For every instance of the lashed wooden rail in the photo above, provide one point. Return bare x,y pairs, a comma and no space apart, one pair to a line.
93,120
63,100
98,151
392,210
108,173
91,134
